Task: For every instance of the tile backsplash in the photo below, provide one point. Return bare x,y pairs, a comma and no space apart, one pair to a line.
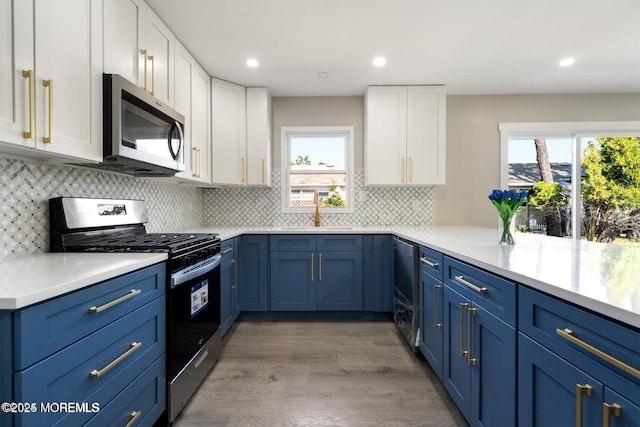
261,207
26,187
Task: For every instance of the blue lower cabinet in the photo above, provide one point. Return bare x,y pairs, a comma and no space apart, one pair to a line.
626,415
339,283
227,288
378,273
431,324
548,390
293,276
254,273
479,367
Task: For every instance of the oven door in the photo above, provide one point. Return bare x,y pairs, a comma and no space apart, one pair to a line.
193,311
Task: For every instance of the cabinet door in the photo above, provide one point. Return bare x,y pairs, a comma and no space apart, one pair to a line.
159,46
378,273
548,389
431,315
293,281
258,137
183,65
628,415
493,370
457,374
386,135
254,273
235,285
68,54
229,133
426,135
339,283
201,122
123,35
227,304
16,56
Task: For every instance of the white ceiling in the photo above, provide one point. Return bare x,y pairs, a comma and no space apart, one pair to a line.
471,46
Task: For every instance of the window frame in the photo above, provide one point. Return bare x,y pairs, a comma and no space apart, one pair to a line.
286,132
576,131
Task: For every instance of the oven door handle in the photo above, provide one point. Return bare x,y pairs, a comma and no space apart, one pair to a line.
183,276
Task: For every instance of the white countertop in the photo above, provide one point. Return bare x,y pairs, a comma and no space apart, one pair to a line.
26,280
601,277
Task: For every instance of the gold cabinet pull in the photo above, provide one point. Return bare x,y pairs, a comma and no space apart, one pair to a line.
569,335
436,289
235,273
581,390
463,306
133,417
470,360
143,52
312,278
226,251
411,169
402,171
264,178
132,348
194,172
199,163
132,293
320,267
28,74
242,171
429,263
49,84
470,285
608,410
153,75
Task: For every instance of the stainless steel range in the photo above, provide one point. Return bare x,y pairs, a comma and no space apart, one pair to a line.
193,286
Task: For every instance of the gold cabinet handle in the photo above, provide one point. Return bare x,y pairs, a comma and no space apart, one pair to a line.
470,360
28,74
132,293
199,163
436,289
153,75
132,348
608,410
226,251
581,390
463,306
569,335
143,52
411,169
429,263
194,172
320,267
312,272
264,178
470,285
402,171
242,170
49,84
133,417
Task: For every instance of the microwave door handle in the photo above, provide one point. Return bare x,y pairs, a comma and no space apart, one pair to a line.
176,155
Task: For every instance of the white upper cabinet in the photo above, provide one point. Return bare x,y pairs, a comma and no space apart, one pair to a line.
192,100
228,133
138,46
258,137
405,135
52,74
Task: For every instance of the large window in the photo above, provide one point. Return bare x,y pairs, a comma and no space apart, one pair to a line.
566,152
317,167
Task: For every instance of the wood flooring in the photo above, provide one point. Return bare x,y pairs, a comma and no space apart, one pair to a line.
319,374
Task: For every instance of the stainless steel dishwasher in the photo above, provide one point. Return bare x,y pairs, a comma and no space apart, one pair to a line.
406,292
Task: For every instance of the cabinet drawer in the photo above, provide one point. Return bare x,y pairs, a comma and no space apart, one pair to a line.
594,343
70,375
339,243
493,293
45,328
431,262
293,243
227,248
146,396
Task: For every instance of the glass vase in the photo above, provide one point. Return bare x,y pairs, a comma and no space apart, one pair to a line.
507,229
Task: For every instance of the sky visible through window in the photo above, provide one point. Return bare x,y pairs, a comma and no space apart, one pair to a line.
330,150
559,149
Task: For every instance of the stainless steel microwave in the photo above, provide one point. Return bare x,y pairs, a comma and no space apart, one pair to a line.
142,136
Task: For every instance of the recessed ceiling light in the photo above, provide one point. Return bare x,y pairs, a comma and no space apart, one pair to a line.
566,62
323,75
252,63
379,61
